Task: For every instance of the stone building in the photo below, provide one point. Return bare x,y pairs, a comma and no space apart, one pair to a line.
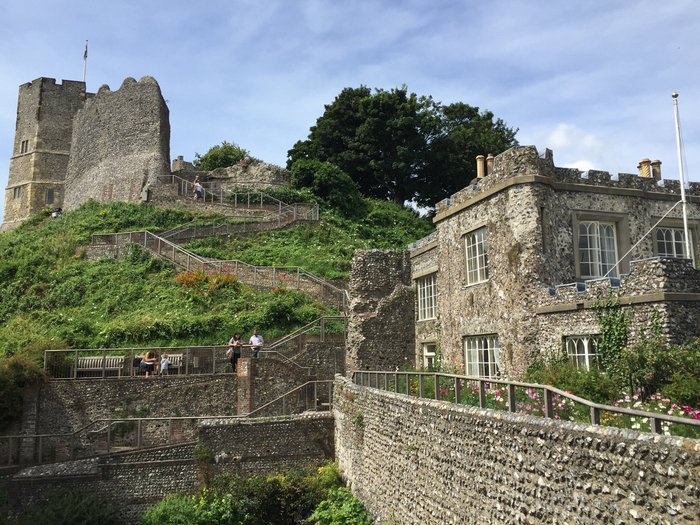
39,162
521,255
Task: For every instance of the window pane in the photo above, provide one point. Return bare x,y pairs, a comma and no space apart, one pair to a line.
482,356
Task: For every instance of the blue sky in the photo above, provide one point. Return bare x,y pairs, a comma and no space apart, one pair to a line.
592,80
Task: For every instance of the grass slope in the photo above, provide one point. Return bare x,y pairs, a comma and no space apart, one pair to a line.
54,298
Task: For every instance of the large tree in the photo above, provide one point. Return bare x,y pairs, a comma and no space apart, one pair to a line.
396,145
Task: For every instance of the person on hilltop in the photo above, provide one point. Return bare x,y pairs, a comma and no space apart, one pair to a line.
198,189
256,342
234,350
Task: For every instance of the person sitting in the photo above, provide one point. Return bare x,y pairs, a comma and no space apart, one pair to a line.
164,364
148,362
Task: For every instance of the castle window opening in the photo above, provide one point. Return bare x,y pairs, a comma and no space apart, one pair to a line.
16,192
597,249
24,146
476,251
670,242
482,356
429,355
582,350
49,196
427,295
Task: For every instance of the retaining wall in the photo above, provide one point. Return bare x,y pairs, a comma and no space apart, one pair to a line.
423,461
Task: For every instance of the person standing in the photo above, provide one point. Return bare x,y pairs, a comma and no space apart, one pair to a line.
198,191
234,350
256,342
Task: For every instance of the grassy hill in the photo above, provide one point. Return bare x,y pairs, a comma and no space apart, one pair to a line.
53,298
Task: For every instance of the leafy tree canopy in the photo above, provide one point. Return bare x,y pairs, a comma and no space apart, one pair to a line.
220,156
398,146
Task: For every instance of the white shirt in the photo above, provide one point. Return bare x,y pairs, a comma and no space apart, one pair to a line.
256,340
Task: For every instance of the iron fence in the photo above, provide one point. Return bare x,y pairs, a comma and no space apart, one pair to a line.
524,398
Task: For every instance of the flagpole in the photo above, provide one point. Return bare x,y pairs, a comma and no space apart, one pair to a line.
688,248
85,55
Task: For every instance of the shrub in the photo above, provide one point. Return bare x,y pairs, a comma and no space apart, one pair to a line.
220,156
341,508
16,372
206,509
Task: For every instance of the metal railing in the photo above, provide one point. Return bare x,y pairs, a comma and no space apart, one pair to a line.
186,360
555,403
317,330
111,435
269,277
214,193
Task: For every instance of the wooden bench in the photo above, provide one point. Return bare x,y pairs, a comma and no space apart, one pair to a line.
176,362
112,363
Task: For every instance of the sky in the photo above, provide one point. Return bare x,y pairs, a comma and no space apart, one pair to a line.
591,80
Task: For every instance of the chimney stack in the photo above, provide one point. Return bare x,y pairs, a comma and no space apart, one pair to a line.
656,169
479,166
644,168
489,164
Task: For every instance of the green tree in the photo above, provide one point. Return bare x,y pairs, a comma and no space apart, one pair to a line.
329,182
220,156
398,146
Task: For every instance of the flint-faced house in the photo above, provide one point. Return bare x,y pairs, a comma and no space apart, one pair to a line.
520,255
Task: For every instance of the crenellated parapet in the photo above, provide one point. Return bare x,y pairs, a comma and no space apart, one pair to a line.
656,276
523,164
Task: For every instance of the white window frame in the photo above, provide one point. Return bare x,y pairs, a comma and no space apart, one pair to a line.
482,356
597,248
582,350
673,243
476,256
427,297
428,353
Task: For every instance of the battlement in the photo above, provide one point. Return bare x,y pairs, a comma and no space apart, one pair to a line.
525,164
647,276
47,84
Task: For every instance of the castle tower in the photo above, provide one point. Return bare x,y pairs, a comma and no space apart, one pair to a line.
39,161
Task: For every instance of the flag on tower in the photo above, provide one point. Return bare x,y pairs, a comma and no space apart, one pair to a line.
85,54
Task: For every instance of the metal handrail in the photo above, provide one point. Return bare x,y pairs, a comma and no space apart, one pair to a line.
105,424
307,328
364,378
212,264
328,382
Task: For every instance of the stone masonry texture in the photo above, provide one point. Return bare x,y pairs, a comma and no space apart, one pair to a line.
530,211
39,162
382,310
417,461
120,144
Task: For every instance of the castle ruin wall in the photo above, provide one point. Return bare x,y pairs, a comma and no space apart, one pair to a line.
120,144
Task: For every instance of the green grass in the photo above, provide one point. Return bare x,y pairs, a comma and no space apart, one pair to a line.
54,298
325,249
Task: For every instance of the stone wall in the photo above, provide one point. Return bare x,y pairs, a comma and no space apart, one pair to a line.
266,445
65,406
134,481
251,174
382,312
422,461
120,144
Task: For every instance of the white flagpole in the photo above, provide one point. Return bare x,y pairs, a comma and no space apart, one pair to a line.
688,248
85,55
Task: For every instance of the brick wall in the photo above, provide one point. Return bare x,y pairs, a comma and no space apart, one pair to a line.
423,461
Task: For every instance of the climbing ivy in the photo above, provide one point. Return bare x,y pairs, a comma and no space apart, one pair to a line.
614,333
